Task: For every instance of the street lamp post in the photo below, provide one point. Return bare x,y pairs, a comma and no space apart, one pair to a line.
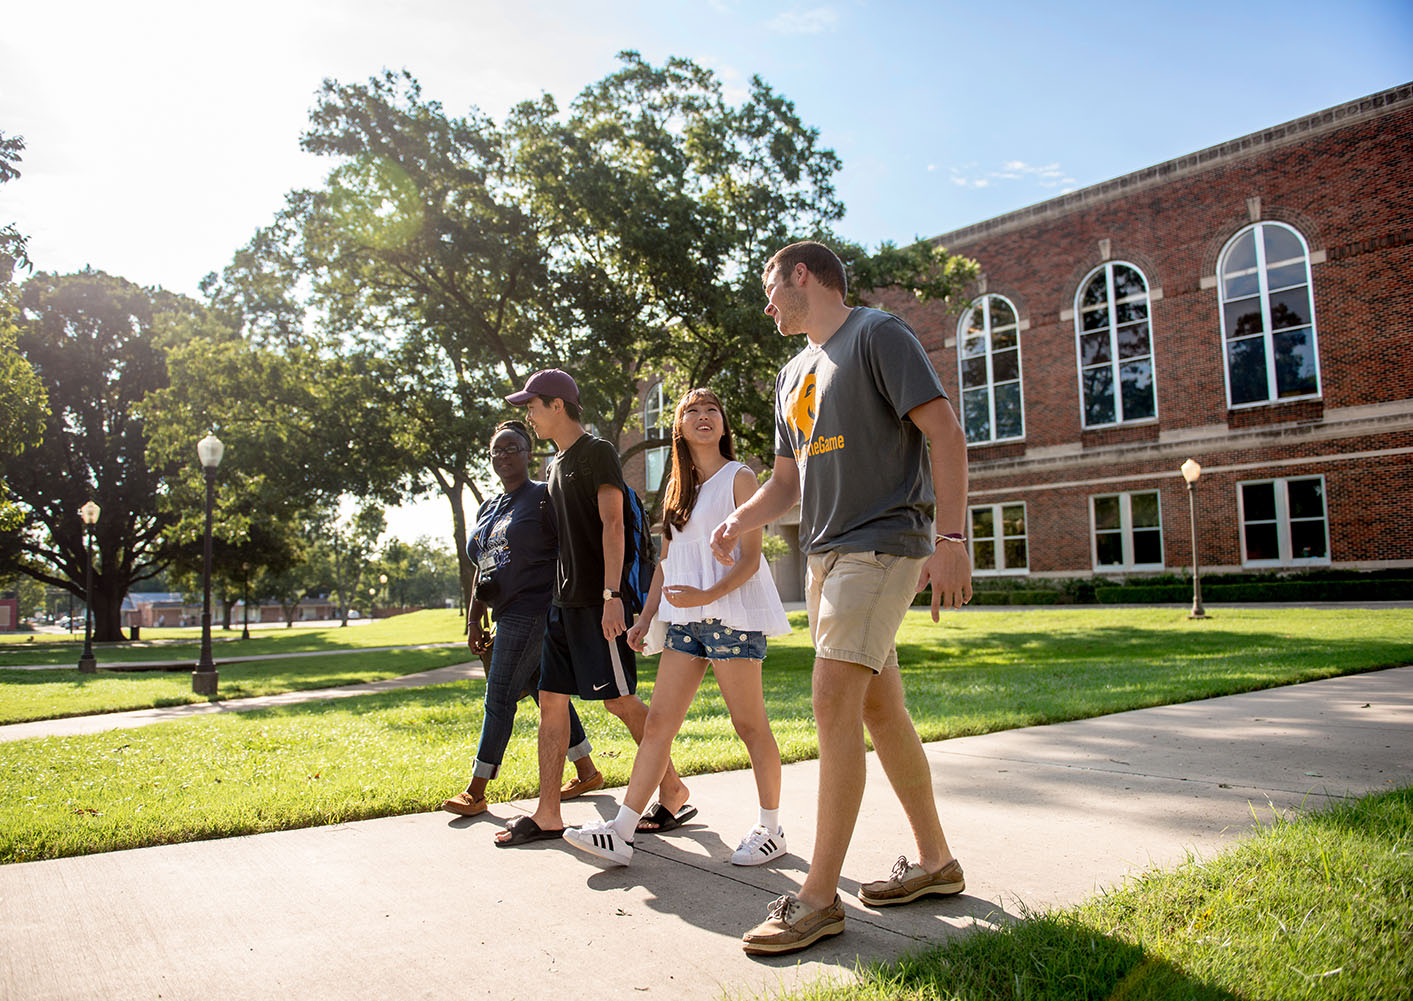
1190,472
245,601
89,514
383,585
204,678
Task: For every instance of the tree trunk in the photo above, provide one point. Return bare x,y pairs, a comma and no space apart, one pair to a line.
107,616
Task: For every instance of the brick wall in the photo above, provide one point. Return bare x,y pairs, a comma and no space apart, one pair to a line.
1344,180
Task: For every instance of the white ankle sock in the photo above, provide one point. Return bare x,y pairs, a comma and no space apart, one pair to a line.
770,819
626,823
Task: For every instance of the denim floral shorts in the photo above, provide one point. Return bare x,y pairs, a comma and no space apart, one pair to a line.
711,640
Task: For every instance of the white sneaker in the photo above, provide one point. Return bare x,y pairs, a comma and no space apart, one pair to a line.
758,846
602,839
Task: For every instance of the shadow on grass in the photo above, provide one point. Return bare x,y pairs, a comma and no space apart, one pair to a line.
1042,958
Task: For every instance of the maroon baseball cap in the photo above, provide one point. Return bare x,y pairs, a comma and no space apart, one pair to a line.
551,382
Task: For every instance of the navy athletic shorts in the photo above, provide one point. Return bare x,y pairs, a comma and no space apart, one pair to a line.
577,660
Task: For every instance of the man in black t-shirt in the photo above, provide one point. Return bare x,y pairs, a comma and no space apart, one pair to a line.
586,650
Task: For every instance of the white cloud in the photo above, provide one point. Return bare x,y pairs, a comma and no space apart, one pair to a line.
804,21
1049,175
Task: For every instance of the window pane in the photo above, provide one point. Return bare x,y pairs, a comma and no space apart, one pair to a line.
1015,554
1095,319
1243,317
1261,542
1144,509
982,523
1133,340
1147,546
1127,282
1307,540
1013,519
1005,365
1003,339
1295,363
1094,348
1290,308
1106,512
1246,361
1287,275
1099,396
973,346
1129,312
983,555
1282,245
1306,498
1008,411
976,411
1258,501
655,459
1239,267
1109,548
1136,387
974,371
1096,293
974,322
1001,313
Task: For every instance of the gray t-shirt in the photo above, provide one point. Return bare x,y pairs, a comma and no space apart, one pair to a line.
841,414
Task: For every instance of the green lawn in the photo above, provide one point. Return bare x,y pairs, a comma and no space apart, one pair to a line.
428,626
36,695
1320,907
404,751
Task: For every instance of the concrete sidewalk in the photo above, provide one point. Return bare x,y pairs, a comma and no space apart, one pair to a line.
425,906
72,726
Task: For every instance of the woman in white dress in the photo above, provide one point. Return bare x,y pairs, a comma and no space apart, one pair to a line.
715,616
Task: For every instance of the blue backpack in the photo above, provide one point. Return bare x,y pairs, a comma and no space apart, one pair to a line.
639,553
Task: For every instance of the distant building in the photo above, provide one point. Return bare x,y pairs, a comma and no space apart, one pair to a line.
1246,306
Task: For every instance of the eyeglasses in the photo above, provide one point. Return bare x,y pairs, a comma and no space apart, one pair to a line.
500,453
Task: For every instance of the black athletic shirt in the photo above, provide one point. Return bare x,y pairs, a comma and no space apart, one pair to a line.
574,479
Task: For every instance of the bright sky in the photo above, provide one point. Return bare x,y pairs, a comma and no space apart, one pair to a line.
162,134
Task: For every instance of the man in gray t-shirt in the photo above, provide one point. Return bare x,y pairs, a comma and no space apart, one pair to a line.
859,413
841,412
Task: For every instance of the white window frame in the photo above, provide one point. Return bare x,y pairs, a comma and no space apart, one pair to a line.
1264,293
983,302
1125,531
999,539
1115,363
1282,520
654,405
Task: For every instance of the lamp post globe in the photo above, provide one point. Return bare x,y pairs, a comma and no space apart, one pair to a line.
204,679
88,514
1191,472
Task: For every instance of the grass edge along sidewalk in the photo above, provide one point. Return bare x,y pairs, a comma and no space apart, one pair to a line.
1319,905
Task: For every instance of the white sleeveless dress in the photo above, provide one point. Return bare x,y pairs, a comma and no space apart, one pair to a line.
752,607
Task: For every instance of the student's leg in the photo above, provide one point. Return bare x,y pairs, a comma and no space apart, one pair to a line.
904,761
580,749
678,678
515,663
740,684
671,791
839,692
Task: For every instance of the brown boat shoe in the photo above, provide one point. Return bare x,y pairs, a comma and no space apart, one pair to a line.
908,882
463,804
790,925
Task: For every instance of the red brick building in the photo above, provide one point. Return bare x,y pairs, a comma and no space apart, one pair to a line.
1247,306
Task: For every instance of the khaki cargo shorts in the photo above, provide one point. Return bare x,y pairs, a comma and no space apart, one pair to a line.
857,602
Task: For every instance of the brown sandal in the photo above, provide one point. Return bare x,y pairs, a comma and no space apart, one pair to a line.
577,787
463,804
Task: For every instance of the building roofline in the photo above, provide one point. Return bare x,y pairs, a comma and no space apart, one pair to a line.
1362,109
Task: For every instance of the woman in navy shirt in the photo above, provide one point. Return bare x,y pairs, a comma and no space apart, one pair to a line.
514,545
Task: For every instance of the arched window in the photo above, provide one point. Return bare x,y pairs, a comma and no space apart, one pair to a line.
1115,347
654,418
989,369
1268,316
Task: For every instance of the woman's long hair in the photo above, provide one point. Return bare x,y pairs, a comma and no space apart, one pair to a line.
682,486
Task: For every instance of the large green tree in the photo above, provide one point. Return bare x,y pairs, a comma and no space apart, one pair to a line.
95,342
